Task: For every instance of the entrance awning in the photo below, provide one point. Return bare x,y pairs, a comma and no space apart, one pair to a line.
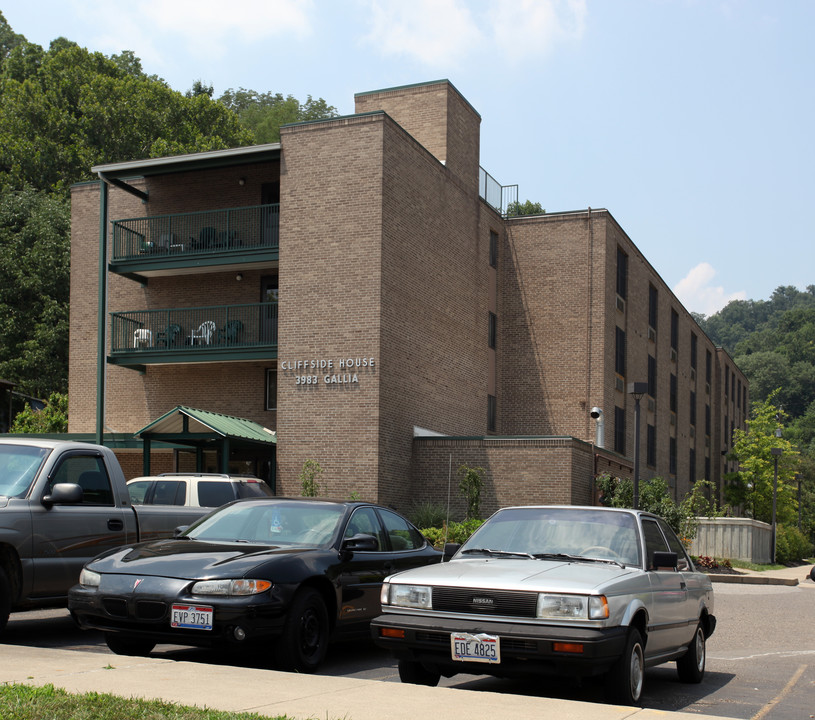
204,430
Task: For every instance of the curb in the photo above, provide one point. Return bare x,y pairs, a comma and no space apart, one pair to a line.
752,579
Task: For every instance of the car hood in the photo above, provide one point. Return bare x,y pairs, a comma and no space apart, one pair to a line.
192,559
520,574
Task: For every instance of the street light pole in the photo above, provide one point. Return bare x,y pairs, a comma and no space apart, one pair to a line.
776,452
637,389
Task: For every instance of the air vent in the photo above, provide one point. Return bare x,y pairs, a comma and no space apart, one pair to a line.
693,374
673,418
620,304
652,334
693,431
707,388
652,405
673,355
620,385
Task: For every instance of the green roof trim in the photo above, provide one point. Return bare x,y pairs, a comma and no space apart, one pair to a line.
183,420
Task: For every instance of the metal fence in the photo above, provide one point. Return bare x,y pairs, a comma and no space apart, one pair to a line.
197,232
176,330
496,195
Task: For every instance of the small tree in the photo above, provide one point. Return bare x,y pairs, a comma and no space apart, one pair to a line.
308,478
53,418
516,208
469,485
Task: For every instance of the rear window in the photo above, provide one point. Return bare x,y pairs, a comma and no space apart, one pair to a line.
214,494
253,488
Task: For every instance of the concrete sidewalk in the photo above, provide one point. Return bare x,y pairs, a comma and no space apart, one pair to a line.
785,576
272,693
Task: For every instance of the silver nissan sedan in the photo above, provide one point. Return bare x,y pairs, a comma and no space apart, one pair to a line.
555,590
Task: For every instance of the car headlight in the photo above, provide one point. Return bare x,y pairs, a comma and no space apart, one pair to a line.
572,607
412,596
230,588
89,578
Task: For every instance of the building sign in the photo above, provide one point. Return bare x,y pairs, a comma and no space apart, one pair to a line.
327,371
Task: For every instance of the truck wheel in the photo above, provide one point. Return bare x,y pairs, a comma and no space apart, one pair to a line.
128,645
625,679
304,642
5,600
691,666
418,674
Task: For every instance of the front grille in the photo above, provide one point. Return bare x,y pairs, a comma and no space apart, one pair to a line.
485,602
150,609
115,607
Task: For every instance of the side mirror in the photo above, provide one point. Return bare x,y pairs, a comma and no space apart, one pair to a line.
63,494
664,560
450,549
360,543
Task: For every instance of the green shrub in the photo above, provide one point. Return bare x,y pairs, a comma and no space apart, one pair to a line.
455,532
791,545
428,514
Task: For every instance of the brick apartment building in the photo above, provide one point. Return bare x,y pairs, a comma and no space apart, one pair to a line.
354,295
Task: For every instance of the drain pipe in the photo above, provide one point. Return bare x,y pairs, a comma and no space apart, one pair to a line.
600,429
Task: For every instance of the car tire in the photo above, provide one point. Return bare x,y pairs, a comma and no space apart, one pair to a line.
5,600
304,642
417,674
625,679
691,666
129,645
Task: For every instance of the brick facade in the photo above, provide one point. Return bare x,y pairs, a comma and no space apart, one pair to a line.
385,294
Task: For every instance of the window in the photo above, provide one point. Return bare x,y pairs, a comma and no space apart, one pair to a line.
271,388
493,248
674,330
692,468
491,413
364,521
90,473
682,562
726,382
692,407
491,332
652,306
622,273
738,396
693,342
652,376
707,468
707,420
651,445
401,535
708,366
672,456
673,393
653,541
744,393
619,355
619,430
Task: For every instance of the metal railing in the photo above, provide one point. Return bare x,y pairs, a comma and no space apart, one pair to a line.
177,330
498,196
192,233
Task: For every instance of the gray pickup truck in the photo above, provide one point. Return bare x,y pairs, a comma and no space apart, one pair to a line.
61,504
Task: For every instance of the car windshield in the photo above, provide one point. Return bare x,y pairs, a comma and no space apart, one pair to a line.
18,468
560,532
271,523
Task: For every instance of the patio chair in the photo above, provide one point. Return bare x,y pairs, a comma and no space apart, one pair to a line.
204,333
141,337
169,337
228,334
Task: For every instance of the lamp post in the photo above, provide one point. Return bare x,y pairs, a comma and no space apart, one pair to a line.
637,389
776,452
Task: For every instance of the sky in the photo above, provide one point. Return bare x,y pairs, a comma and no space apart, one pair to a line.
690,121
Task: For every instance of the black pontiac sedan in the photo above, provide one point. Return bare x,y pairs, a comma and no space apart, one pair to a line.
295,572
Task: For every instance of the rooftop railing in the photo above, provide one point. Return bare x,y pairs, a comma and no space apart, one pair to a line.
180,330
194,233
498,196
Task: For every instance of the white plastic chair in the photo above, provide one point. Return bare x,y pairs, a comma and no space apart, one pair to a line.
204,333
142,336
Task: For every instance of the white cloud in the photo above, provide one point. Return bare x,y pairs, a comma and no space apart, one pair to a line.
696,292
441,33
434,32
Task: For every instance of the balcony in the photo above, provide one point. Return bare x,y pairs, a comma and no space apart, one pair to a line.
218,333
195,242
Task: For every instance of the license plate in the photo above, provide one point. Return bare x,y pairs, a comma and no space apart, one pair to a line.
475,648
194,617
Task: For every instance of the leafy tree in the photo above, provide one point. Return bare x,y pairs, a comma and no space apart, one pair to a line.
751,487
470,484
264,113
309,477
515,209
34,268
53,418
8,40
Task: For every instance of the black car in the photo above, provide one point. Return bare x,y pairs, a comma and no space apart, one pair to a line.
293,571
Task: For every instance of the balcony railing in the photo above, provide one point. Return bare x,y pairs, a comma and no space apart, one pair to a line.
195,233
200,330
500,197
